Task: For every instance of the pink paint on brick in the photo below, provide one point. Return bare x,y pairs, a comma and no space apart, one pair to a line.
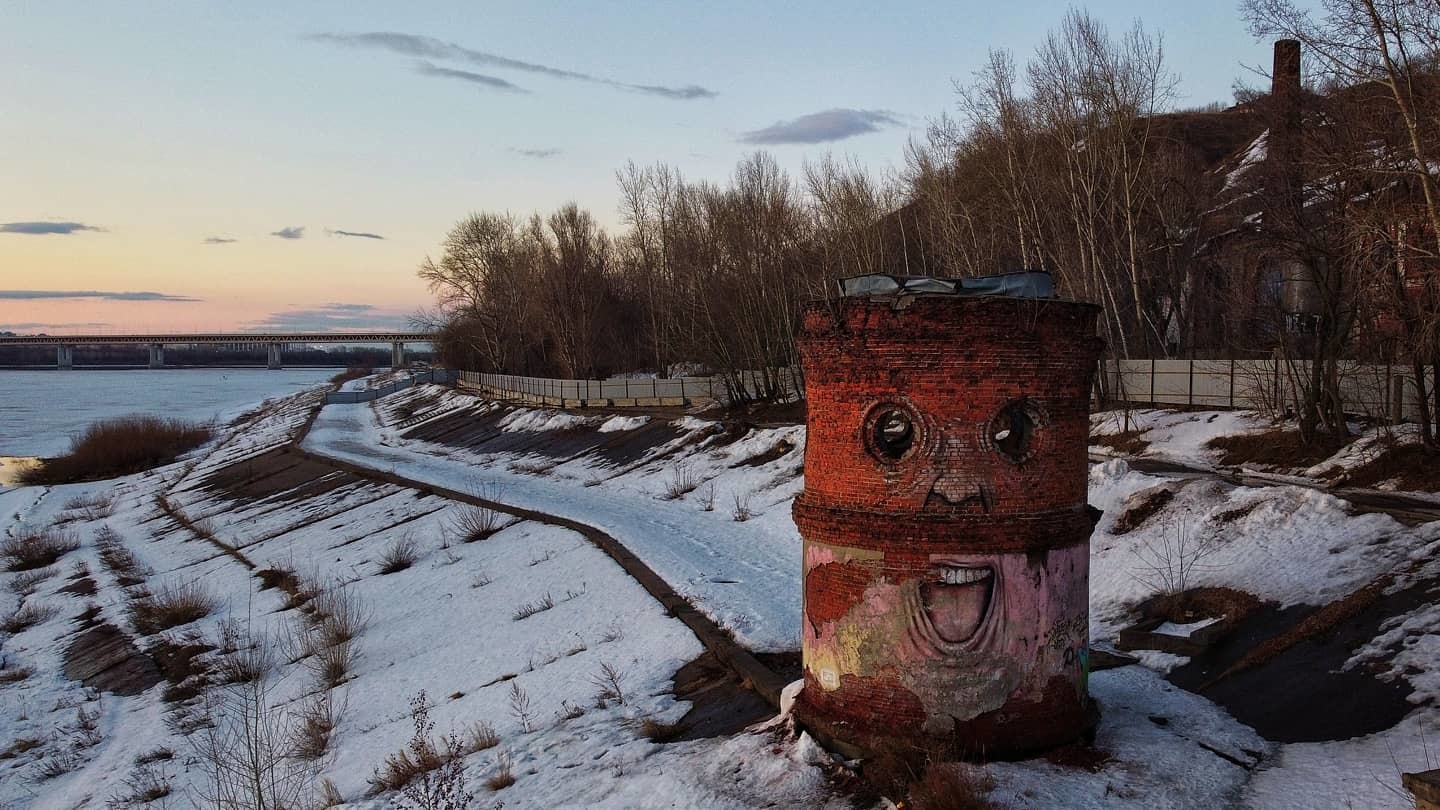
945,525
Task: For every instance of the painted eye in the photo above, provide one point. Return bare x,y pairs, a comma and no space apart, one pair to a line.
894,433
1012,430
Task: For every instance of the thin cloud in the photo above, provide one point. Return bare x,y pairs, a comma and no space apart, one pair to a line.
334,317
822,127
432,48
540,154
29,326
493,82
219,240
103,295
292,232
46,228
359,234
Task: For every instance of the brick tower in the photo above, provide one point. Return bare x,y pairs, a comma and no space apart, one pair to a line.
946,560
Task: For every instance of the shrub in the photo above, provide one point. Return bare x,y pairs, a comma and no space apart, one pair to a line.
475,523
333,664
147,783
430,773
520,707
683,480
479,737
400,555
26,582
96,507
318,719
172,606
121,446
340,613
608,682
36,549
27,616
160,754
352,373
504,775
742,511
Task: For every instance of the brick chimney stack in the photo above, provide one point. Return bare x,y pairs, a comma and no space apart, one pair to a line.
1284,146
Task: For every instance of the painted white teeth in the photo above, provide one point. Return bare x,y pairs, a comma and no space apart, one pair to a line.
963,576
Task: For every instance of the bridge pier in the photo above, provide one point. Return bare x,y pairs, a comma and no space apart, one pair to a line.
64,356
157,355
272,356
397,355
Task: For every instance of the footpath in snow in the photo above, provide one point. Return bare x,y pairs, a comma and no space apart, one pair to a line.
743,574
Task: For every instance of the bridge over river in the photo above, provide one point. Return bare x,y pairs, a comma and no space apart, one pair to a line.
275,342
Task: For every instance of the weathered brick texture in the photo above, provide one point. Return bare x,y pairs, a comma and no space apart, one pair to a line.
945,524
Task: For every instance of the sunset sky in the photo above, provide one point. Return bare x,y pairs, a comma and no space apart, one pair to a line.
206,166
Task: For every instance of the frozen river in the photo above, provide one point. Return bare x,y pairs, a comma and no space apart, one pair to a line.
41,410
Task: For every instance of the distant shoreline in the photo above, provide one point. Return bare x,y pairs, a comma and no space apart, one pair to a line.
142,367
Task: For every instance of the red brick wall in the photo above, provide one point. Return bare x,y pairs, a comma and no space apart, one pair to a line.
946,566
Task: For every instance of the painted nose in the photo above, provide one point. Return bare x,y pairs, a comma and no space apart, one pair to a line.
957,489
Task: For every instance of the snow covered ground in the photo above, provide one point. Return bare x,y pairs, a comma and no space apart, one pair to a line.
451,625
742,573
1183,437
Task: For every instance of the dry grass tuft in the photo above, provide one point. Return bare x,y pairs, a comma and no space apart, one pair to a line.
36,549
27,616
171,606
352,373
26,582
475,523
120,446
400,555
529,609
682,481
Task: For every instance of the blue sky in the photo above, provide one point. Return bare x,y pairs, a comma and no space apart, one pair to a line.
248,154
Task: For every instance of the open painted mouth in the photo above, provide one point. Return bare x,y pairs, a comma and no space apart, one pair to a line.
957,598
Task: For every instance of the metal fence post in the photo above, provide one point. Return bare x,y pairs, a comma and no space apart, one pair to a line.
1152,382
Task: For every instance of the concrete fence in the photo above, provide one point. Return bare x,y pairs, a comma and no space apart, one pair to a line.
612,393
1376,390
440,376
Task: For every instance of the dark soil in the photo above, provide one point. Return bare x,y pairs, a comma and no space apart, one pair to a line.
1275,448
1279,671
720,704
1410,466
776,452
1127,442
104,658
1142,506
